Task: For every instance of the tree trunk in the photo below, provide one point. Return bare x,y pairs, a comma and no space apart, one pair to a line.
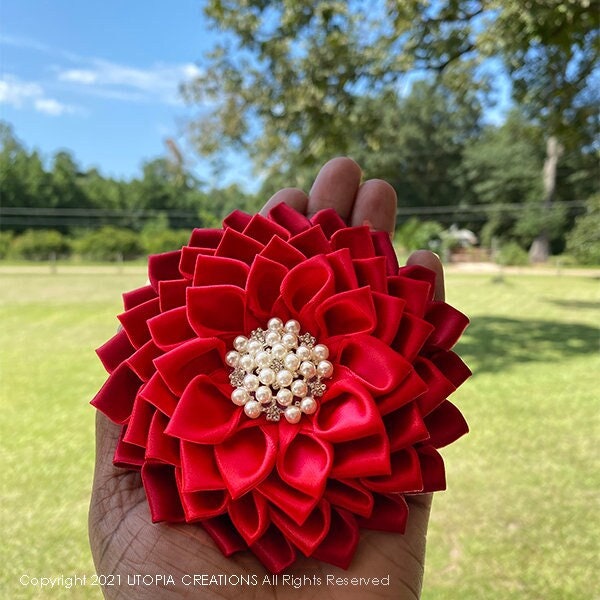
540,248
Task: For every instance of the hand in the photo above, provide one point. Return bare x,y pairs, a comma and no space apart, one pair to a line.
125,542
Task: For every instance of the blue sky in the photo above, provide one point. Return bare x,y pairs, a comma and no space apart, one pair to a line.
101,78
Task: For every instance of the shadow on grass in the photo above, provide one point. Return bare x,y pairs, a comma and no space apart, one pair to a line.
581,304
492,344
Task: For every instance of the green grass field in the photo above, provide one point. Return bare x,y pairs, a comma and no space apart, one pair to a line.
519,519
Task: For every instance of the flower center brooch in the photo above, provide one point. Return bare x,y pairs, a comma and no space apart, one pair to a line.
283,383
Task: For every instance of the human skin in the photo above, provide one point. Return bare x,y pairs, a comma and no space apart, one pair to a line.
123,539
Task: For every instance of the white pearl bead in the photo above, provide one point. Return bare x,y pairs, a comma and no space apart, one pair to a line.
263,394
303,353
292,414
266,376
240,396
292,362
289,340
285,378
278,351
252,409
247,363
285,397
254,346
262,359
232,358
320,352
308,369
325,369
275,324
299,388
292,326
308,405
240,343
251,383
272,338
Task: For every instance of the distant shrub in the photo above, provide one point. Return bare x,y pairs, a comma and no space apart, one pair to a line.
512,254
109,244
583,241
414,234
165,240
6,238
39,244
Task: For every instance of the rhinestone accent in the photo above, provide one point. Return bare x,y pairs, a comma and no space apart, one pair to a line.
282,360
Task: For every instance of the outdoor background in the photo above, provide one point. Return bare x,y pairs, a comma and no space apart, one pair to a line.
124,126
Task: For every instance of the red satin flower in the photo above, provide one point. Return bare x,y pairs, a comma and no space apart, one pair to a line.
277,487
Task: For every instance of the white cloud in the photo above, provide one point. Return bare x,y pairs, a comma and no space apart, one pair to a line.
78,76
30,94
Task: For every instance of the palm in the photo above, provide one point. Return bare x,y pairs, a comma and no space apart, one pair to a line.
125,542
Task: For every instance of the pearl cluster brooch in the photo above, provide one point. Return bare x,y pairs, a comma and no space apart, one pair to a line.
278,370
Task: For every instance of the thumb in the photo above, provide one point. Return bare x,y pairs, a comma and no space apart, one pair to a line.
428,259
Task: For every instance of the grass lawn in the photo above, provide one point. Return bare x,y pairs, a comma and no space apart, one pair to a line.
519,519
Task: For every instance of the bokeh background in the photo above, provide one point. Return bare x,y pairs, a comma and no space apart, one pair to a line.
124,125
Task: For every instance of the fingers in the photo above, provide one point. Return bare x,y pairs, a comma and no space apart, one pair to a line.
293,197
336,187
428,259
375,205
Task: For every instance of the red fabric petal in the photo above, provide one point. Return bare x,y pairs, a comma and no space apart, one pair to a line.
262,229
263,286
237,220
449,325
206,238
115,398
383,247
247,458
158,394
138,296
135,320
199,506
304,463
405,427
412,335
113,352
311,533
159,446
139,423
405,476
445,424
347,313
346,412
205,414
291,501
161,491
199,470
290,219
274,550
171,293
311,242
350,495
357,239
419,273
432,468
217,270
236,245
189,257
329,221
365,457
372,272
343,269
224,534
438,386
283,253
199,356
250,516
389,514
411,388
339,546
216,310
389,315
376,365
415,293
141,362
163,266
171,328
452,367
128,456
